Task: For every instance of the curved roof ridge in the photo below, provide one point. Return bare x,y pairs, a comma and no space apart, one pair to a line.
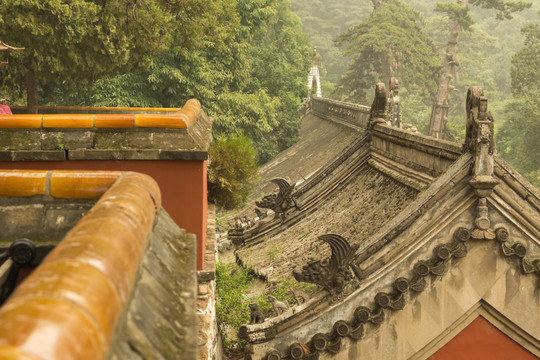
70,304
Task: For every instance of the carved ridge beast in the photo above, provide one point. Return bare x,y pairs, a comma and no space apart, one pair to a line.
281,201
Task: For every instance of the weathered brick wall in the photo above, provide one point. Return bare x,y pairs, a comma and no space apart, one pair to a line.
206,296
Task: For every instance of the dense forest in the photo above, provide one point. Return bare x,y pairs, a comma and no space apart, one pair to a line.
498,49
247,60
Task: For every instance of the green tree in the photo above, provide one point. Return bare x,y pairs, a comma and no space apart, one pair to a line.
517,138
79,40
280,63
232,171
252,86
525,70
248,70
325,20
394,32
474,69
461,20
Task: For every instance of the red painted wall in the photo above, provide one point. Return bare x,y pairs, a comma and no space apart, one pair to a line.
182,185
480,340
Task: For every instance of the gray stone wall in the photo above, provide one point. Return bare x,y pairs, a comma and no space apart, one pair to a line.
160,320
42,219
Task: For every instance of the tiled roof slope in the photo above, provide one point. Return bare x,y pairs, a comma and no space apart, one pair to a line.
356,210
320,141
354,194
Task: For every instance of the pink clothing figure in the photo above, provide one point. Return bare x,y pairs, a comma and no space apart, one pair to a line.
5,109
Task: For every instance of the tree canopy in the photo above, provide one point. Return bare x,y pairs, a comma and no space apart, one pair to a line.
78,40
245,60
517,138
323,21
394,31
525,70
459,14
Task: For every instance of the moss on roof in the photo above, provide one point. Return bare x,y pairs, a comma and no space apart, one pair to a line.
356,211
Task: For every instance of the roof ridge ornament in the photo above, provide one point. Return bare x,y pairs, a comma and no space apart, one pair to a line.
379,106
331,273
281,201
479,140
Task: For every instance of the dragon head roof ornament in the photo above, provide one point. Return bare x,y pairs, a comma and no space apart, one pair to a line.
379,106
280,201
331,273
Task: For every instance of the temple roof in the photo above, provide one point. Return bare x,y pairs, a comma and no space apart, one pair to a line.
426,234
320,141
356,211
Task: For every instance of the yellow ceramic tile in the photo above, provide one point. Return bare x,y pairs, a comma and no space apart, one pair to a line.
74,121
132,199
122,231
145,182
112,257
50,329
20,121
22,182
80,284
81,184
14,353
114,121
172,121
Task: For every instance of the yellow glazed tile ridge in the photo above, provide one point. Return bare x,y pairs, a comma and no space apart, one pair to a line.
14,353
21,121
50,328
91,108
170,121
192,110
171,118
133,197
180,120
75,121
72,287
22,183
73,184
114,121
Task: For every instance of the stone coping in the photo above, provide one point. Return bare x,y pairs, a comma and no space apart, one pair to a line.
179,120
445,148
69,306
343,104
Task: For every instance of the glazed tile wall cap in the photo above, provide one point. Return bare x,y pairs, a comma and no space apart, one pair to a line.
68,307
